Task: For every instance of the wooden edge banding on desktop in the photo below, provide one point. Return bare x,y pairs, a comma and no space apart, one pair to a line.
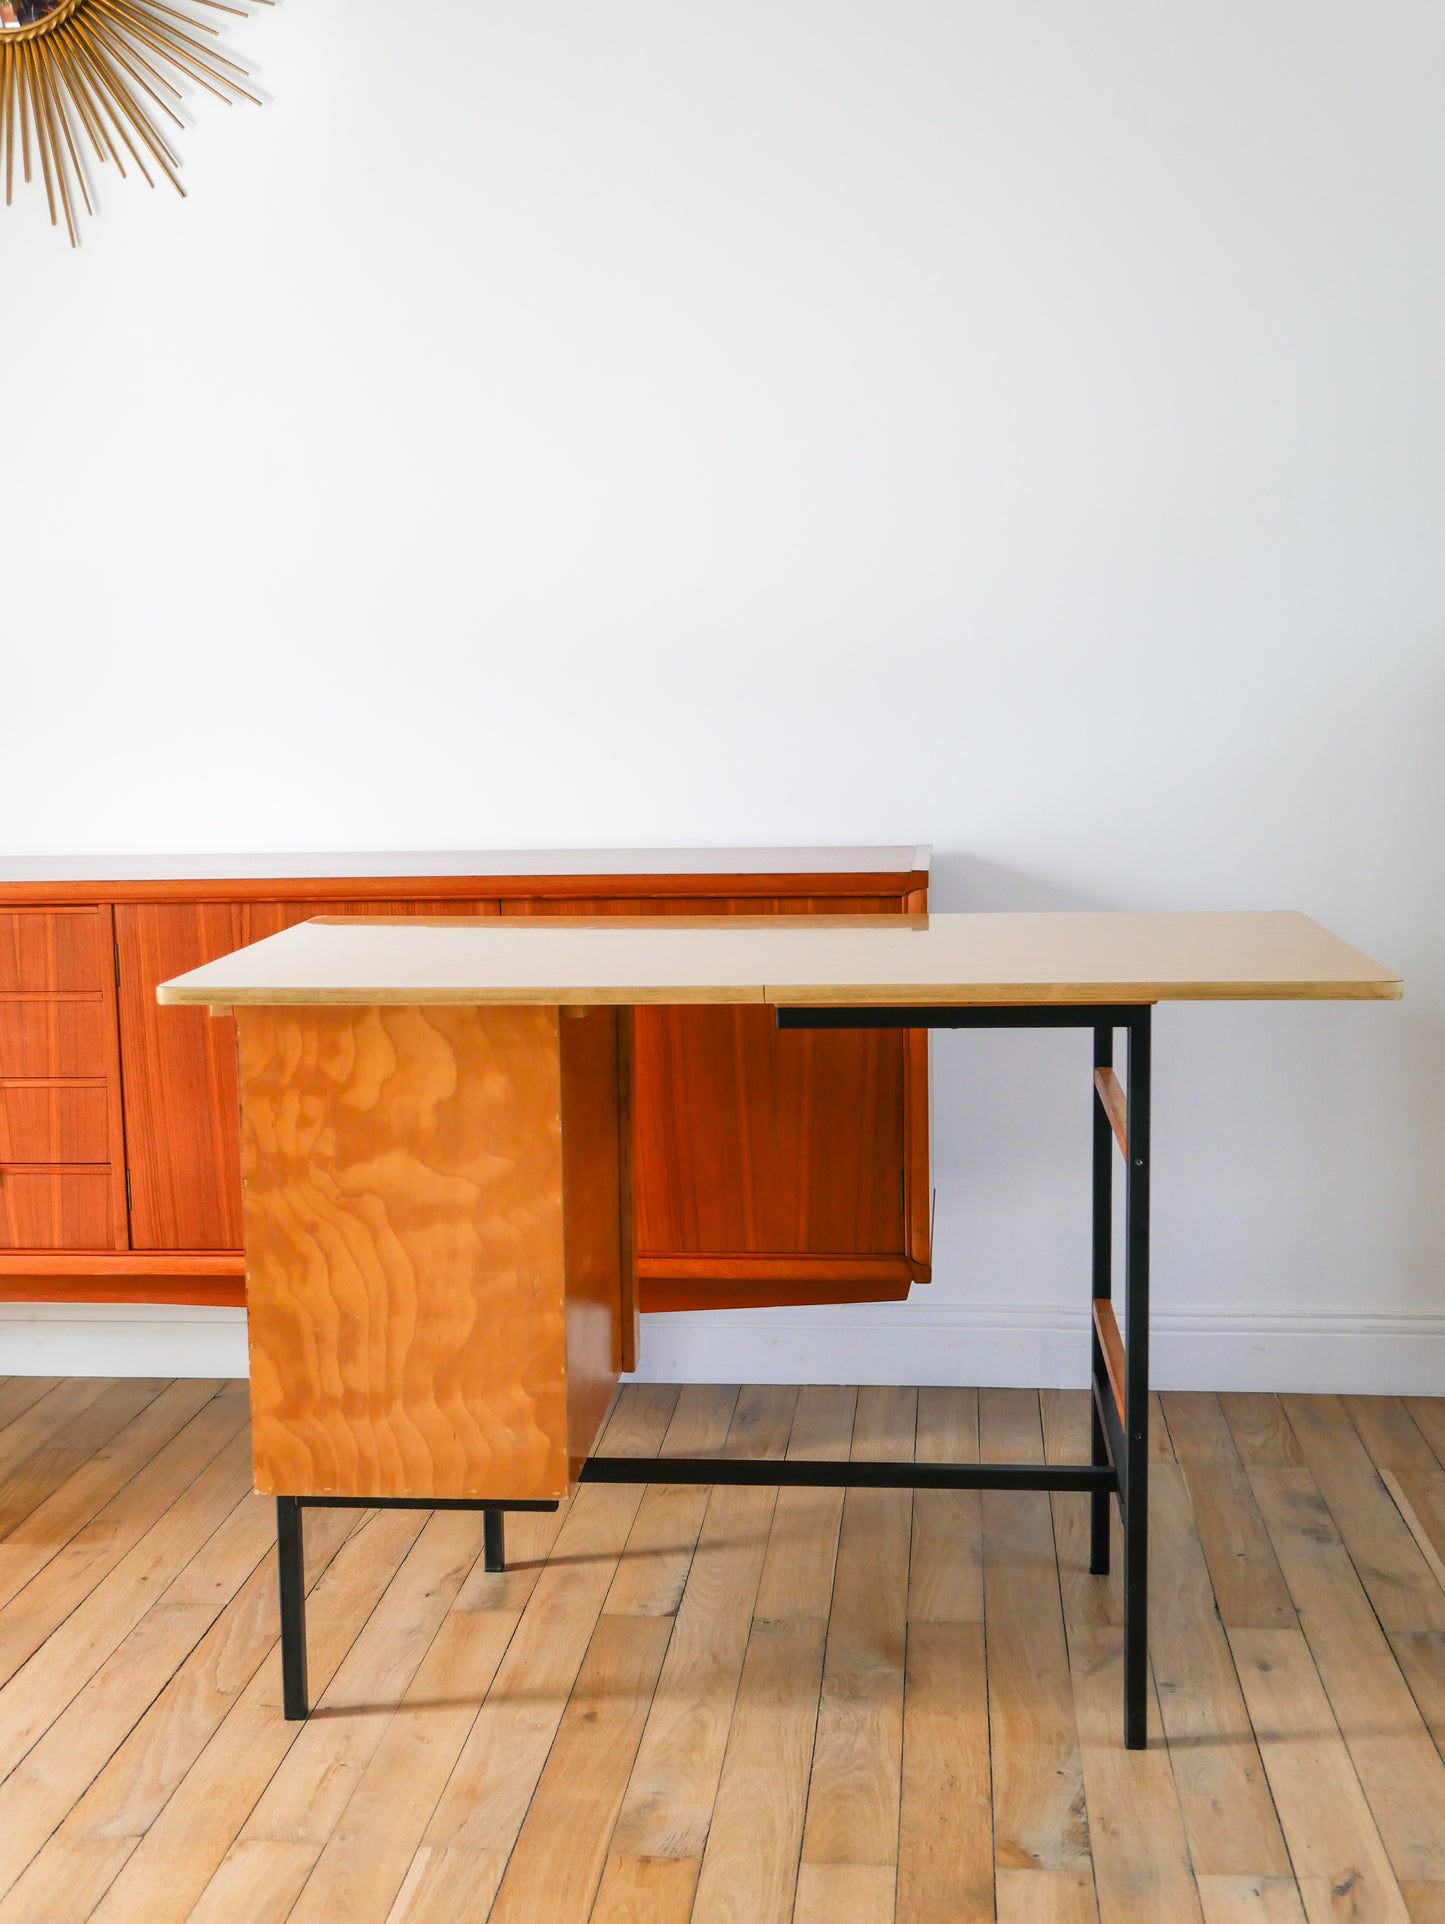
1110,1342
1116,1107
1046,994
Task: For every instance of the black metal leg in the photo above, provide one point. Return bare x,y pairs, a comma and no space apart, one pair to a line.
1103,1285
1136,1393
1098,1499
494,1542
291,1569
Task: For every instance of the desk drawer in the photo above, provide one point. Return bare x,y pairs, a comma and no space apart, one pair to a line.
51,949
55,1038
53,1121
55,1208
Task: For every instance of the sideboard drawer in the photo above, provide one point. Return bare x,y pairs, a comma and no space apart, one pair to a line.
51,949
55,1038
54,1121
55,1208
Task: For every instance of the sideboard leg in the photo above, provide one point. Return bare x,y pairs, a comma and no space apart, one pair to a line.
291,1570
494,1541
1136,1393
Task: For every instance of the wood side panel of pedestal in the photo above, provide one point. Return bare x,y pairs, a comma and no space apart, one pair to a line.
407,1251
596,1212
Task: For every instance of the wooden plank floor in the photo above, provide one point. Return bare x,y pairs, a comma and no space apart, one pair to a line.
730,1704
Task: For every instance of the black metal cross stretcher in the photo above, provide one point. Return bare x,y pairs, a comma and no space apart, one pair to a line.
1119,1376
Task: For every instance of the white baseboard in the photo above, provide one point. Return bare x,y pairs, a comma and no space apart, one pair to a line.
1395,1355
1378,1354
121,1339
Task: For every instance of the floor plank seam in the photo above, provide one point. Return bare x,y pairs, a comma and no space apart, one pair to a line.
163,1443
366,1519
17,1675
398,1710
1338,1702
145,1708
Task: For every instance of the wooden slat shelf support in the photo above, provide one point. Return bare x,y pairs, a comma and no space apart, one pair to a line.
1112,1344
1110,1092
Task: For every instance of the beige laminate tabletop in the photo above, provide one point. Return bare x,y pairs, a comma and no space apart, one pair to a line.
1253,955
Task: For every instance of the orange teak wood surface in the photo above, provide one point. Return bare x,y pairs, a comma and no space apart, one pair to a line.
771,1167
62,1169
184,1189
54,1207
767,1167
435,1285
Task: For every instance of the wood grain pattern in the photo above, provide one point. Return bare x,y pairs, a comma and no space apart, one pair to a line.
1224,1800
1250,1592
878,887
853,1796
864,1220
557,1862
55,1208
1250,1900
646,1890
1420,1499
1140,1855
1334,1845
1046,1897
1400,1584
674,1782
180,1069
1260,1429
802,1154
750,1864
797,1579
121,1276
863,1893
408,1258
653,1574
43,1121
485,1802
481,1727
114,1093
769,1168
1038,1782
945,1841
179,1081
44,949
1106,1326
596,1225
182,1837
54,1036
1116,1106
771,1282
324,1793
945,1577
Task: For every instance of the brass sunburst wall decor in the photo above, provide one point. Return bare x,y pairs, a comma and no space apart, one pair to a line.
102,73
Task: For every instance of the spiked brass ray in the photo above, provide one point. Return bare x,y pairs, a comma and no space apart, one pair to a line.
102,74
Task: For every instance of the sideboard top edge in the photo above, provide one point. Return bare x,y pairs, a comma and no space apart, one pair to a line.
446,871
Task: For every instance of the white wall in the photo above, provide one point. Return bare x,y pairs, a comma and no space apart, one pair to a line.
1017,427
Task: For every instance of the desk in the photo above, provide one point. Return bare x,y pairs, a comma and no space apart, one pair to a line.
435,1134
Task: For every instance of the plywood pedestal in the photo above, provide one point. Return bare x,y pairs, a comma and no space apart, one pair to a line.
438,1245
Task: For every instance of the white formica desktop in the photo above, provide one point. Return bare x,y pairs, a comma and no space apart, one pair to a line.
435,1139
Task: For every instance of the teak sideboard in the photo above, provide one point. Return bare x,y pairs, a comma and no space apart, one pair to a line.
769,1167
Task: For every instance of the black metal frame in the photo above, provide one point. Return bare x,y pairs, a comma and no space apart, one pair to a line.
1119,1441
291,1567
